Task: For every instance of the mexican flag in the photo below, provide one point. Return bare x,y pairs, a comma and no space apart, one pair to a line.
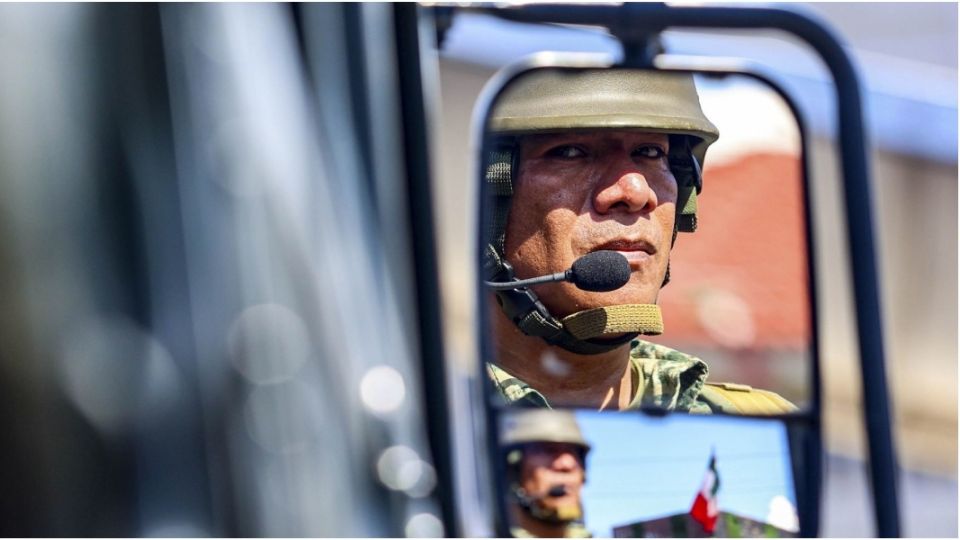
704,510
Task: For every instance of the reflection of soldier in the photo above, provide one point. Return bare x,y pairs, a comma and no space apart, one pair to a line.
546,470
588,161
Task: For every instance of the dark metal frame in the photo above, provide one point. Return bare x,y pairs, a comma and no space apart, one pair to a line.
415,134
637,26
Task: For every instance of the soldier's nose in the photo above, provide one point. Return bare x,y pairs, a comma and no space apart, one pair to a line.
565,461
630,192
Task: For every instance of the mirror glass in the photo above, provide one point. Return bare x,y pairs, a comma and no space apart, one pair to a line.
664,215
584,473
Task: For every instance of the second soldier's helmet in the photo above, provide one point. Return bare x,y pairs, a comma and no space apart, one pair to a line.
550,100
542,425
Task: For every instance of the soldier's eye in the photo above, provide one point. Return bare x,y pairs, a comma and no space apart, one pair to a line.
650,151
566,151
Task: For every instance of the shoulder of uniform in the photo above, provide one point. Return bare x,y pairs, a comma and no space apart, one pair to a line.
736,398
733,387
513,390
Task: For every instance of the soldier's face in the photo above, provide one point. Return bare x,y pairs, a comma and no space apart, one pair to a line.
548,467
579,192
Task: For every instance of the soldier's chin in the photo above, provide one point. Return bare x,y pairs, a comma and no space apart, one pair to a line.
567,299
629,294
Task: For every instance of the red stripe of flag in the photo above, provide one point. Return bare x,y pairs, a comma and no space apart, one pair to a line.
704,509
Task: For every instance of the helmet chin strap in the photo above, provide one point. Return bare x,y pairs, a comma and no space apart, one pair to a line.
592,331
614,320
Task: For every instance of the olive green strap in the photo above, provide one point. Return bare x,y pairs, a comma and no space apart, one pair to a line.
625,318
555,333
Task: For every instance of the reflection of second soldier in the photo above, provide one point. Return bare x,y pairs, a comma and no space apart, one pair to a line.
546,470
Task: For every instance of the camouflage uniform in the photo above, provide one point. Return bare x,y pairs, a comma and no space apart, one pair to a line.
668,379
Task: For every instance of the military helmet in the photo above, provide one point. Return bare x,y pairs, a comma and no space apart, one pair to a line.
549,100
542,425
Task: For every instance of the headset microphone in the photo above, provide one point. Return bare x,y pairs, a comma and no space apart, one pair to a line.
600,271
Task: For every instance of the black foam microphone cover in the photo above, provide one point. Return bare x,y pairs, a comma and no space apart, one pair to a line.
600,271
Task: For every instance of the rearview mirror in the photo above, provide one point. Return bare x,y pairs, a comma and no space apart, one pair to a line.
662,217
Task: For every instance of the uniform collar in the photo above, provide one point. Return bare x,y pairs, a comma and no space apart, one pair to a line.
664,378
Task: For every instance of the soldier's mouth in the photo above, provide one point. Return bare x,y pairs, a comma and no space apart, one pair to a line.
637,252
561,489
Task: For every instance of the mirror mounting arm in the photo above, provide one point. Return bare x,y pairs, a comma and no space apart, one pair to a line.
639,51
639,35
631,23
